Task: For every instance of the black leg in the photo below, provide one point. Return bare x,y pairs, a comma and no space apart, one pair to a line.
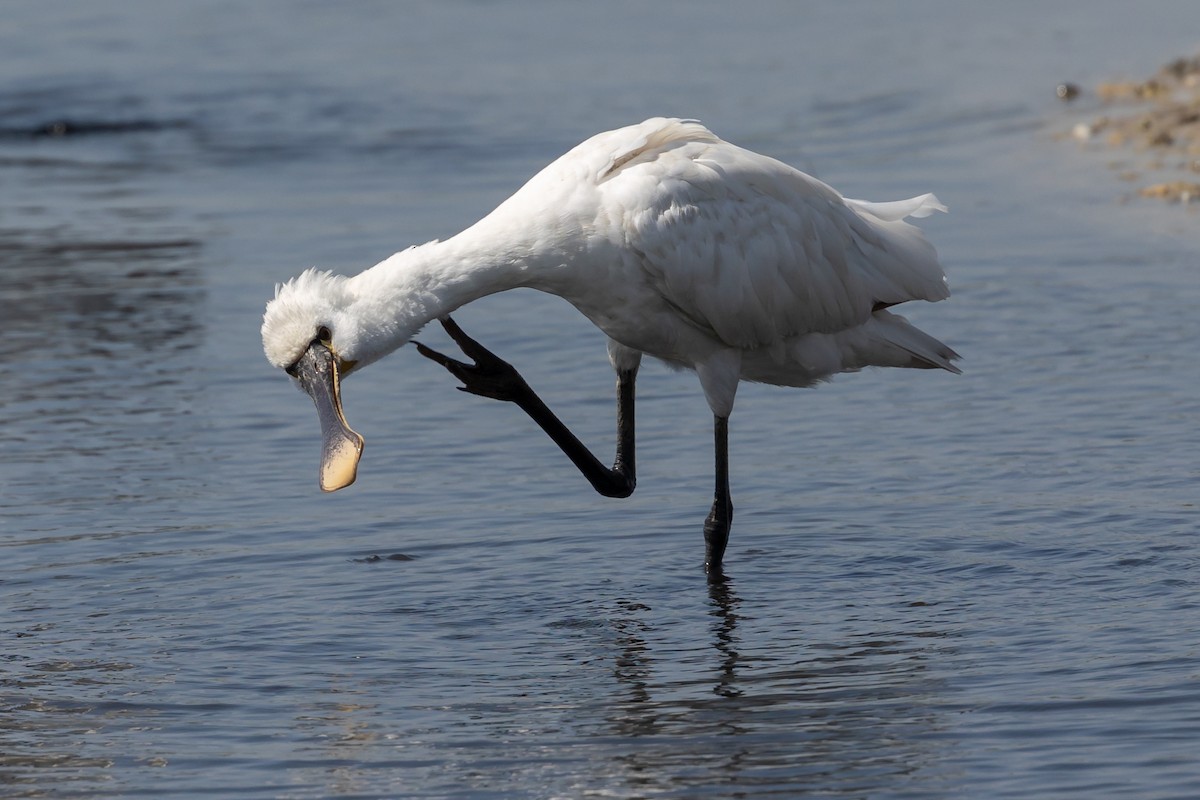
493,377
716,526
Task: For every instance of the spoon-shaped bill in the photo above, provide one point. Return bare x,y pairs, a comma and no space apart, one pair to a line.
341,448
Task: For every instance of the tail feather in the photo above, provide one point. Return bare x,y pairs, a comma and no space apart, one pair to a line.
895,210
923,351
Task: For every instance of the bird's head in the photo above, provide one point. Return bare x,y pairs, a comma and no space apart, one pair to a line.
310,330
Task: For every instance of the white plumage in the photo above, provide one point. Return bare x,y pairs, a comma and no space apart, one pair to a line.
674,243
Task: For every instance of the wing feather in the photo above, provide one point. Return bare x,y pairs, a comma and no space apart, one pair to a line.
755,251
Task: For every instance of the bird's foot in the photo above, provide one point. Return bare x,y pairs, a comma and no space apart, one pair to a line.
716,534
489,375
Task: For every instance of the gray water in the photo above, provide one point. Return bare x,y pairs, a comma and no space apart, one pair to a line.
938,586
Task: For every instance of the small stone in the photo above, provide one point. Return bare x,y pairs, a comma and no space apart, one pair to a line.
1067,91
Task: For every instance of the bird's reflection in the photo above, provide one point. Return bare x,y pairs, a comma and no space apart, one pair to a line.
639,712
632,668
725,603
737,708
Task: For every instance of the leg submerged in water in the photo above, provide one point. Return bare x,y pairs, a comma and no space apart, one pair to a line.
720,518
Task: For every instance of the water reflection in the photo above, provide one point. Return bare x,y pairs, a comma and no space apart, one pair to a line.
71,299
33,726
102,299
633,668
724,609
96,335
782,716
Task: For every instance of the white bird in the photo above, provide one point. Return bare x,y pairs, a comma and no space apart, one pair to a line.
675,244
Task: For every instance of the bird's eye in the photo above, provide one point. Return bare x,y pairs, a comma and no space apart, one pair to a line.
323,334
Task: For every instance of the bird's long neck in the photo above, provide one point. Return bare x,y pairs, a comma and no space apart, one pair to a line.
401,294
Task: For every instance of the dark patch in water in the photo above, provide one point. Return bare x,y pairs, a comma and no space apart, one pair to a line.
118,247
60,128
375,559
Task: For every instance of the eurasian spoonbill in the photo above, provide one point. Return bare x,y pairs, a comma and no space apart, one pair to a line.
675,244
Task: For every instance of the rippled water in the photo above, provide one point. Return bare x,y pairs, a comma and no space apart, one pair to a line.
938,586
